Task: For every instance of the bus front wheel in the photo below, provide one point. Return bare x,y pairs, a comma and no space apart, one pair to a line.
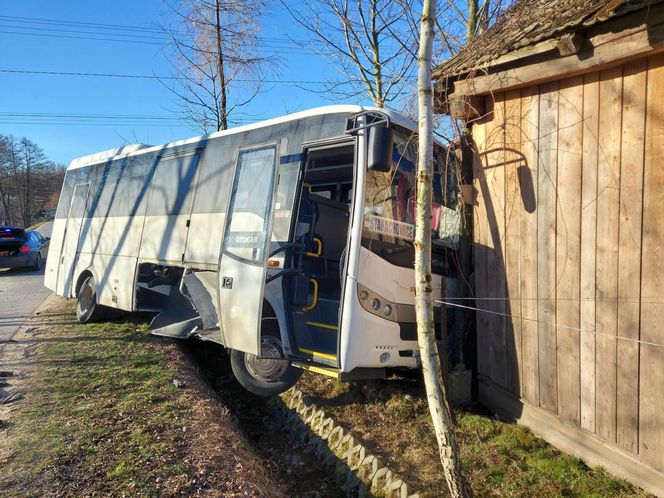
268,375
87,308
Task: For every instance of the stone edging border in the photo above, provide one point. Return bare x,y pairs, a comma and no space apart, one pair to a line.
358,469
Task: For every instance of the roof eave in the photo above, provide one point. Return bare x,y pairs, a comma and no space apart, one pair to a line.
604,45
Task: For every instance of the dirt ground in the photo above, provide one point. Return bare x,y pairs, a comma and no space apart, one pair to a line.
107,410
302,474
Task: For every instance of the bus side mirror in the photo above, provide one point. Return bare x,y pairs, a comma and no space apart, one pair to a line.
381,142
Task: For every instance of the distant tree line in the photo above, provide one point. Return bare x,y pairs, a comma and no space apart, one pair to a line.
29,182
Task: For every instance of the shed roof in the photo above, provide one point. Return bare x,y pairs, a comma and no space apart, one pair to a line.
528,22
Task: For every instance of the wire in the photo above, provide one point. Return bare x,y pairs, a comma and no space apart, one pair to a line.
91,116
74,119
132,35
81,38
282,47
110,123
283,44
155,77
142,29
122,27
42,20
627,300
35,123
555,324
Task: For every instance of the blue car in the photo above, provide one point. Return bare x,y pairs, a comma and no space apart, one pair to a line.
20,248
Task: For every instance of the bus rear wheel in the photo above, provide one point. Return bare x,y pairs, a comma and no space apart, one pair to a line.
268,375
87,308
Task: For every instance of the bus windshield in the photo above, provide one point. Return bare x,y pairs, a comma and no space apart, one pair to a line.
390,199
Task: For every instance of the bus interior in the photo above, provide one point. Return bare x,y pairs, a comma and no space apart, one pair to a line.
321,236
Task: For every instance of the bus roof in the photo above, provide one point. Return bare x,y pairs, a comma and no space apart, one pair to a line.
135,149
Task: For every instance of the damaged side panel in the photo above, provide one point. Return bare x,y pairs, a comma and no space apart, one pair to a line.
201,287
192,314
178,318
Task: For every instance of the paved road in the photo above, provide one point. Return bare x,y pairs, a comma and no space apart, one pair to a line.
21,292
46,229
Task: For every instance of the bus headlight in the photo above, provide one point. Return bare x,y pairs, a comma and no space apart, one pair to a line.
377,304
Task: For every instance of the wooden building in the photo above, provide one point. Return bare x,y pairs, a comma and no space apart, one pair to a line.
564,100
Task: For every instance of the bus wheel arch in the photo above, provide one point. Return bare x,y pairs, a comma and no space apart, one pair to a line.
270,374
87,308
79,282
269,321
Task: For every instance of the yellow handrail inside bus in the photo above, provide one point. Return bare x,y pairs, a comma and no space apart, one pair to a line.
314,301
319,248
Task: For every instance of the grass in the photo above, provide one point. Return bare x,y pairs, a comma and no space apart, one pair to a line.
509,460
102,416
103,404
499,459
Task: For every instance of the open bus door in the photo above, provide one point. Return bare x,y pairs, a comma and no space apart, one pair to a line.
245,249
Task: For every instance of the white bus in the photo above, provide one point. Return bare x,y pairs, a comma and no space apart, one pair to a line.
288,241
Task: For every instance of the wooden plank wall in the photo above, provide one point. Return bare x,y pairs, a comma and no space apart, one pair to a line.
569,245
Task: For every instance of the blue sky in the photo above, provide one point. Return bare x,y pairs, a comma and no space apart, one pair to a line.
49,48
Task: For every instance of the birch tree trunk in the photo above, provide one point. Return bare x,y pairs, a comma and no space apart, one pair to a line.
426,337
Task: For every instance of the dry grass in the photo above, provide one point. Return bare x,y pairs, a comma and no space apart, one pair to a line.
102,416
499,459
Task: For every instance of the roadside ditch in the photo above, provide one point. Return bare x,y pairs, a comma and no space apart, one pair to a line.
281,431
376,437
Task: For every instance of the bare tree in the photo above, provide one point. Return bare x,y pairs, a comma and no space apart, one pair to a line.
370,42
5,179
456,26
215,43
373,43
424,308
15,167
29,183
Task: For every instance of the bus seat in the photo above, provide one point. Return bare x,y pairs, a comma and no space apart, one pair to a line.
307,218
331,226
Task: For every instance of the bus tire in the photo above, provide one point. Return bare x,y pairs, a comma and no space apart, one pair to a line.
266,376
87,308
